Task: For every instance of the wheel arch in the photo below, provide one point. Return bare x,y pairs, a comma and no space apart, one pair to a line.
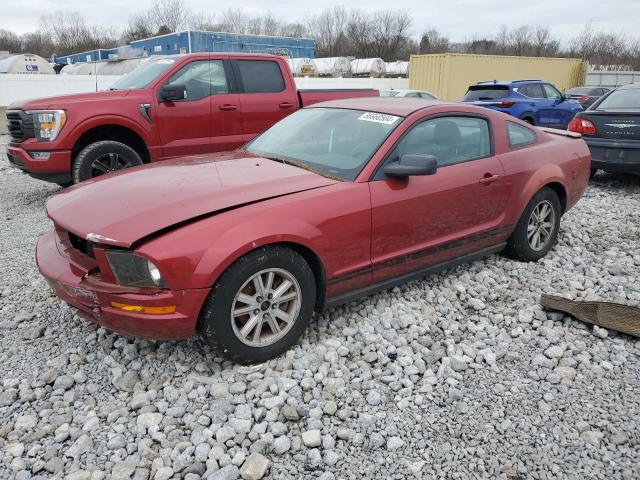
528,116
560,190
114,132
311,257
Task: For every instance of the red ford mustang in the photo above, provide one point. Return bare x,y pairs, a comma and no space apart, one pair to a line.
335,201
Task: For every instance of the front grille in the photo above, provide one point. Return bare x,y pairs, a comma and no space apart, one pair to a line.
20,125
81,244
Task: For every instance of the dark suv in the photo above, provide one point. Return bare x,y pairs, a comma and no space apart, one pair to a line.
533,101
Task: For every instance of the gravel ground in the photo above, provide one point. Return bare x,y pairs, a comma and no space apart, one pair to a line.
459,376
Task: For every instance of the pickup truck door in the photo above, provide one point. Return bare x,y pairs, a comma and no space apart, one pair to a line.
420,221
267,94
205,117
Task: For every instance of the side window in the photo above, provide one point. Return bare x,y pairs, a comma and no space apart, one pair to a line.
426,95
450,139
519,136
532,90
551,92
260,76
413,95
201,79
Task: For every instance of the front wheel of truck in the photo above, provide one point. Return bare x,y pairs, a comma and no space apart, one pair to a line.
100,158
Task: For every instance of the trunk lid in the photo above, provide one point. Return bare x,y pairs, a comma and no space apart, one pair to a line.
124,207
614,125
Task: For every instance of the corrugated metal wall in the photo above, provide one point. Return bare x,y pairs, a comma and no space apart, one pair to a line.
603,78
449,75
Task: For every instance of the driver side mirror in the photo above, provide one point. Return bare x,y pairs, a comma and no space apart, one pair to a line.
412,164
172,93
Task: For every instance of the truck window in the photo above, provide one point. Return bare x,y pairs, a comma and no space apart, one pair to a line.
201,79
260,76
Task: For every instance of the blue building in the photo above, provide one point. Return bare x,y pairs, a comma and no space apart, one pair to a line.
88,56
193,41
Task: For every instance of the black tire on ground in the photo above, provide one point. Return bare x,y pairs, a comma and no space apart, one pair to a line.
529,120
216,322
103,157
519,246
593,173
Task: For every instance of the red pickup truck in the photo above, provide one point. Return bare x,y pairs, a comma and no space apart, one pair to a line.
168,107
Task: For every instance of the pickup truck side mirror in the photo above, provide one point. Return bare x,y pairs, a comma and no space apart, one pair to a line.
172,93
412,164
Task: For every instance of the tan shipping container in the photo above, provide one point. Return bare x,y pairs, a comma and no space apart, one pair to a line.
449,75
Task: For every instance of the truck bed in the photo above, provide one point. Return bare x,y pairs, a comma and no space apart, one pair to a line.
308,97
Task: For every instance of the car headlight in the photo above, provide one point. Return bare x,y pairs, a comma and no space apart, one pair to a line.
133,270
48,123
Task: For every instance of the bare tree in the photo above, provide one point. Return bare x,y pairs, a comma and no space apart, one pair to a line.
432,42
173,15
327,28
9,41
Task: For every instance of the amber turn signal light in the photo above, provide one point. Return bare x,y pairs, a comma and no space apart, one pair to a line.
143,309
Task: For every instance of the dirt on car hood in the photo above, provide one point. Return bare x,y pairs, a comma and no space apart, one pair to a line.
124,207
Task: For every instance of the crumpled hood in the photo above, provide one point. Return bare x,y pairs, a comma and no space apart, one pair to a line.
123,207
64,101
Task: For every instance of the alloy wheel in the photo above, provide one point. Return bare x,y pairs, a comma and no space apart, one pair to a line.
109,162
265,307
541,225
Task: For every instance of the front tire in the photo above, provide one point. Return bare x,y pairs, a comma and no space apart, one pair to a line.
103,157
537,230
260,306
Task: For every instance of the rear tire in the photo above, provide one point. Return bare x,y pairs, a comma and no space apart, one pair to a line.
103,157
529,120
537,230
593,173
242,317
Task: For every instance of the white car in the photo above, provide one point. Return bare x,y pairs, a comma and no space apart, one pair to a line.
408,93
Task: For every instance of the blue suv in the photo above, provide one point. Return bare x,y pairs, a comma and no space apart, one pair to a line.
533,101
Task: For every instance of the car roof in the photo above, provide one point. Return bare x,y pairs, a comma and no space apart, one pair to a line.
630,86
508,82
401,107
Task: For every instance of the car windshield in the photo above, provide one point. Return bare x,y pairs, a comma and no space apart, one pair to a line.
388,93
626,100
142,76
486,92
333,142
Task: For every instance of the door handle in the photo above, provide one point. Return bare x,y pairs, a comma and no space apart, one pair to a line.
227,107
488,178
286,105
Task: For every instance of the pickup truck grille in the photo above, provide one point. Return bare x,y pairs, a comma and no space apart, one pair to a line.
20,125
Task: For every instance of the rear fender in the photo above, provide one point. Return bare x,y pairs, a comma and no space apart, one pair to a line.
545,175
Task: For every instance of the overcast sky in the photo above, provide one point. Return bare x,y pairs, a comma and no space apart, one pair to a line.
459,19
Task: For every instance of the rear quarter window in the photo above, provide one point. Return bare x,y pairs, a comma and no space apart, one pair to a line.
520,136
260,76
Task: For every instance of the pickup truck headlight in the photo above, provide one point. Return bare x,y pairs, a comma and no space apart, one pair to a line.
133,270
48,123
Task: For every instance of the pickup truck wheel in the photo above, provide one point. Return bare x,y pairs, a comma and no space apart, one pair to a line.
260,306
537,230
103,157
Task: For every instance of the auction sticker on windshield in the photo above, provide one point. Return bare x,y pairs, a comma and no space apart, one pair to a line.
379,118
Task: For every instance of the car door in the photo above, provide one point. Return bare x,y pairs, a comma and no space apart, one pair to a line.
183,125
421,221
265,95
226,111
190,126
559,110
539,104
